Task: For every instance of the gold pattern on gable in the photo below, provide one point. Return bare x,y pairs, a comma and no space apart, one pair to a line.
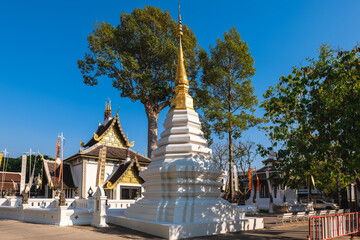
112,138
131,177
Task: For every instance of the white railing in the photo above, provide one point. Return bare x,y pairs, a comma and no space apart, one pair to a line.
42,202
115,204
4,202
82,203
71,203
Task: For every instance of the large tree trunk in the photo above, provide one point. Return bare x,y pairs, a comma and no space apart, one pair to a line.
152,113
231,165
230,131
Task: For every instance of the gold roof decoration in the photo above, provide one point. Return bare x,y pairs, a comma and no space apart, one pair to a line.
107,113
182,100
116,121
123,173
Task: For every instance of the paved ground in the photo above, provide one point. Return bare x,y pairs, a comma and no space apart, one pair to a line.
10,229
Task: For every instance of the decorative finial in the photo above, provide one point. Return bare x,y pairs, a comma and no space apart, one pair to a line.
182,100
180,26
107,113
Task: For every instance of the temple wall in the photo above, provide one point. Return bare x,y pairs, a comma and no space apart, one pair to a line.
77,176
91,169
109,170
47,211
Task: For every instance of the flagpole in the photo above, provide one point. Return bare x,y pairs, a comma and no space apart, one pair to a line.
62,159
62,194
30,154
30,172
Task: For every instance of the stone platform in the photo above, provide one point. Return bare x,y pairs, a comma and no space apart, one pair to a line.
187,230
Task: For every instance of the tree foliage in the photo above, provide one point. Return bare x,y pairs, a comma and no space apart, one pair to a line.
315,113
225,93
139,56
14,164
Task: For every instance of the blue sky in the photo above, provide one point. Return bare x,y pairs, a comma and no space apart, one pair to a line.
42,90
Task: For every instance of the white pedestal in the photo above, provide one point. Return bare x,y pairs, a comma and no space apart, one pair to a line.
188,230
99,215
62,218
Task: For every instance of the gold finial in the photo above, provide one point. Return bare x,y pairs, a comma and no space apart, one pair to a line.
180,26
182,100
107,113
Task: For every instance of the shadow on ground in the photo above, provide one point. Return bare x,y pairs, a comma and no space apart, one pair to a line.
297,231
119,231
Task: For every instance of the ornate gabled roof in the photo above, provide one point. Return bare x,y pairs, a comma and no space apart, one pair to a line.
112,153
121,171
10,176
105,128
9,180
52,175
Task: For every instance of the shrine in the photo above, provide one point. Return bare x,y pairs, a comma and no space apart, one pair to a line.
105,160
183,197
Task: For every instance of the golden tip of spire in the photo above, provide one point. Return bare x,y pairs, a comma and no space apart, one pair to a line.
181,100
180,26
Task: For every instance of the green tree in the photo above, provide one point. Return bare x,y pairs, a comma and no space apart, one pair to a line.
225,93
139,56
315,119
14,164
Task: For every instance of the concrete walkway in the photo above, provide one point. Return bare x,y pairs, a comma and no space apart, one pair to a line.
11,229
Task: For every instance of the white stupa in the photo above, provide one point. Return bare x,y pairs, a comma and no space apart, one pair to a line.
182,187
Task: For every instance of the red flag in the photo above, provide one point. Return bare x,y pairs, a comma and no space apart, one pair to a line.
60,172
250,185
257,181
62,157
57,155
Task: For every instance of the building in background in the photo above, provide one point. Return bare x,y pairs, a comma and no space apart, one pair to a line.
105,160
9,183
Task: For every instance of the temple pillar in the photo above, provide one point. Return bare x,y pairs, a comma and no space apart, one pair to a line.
23,173
62,218
99,215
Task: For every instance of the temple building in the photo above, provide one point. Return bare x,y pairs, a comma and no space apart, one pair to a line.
105,160
9,183
267,192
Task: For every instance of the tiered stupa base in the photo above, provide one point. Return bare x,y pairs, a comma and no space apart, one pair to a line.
188,230
182,188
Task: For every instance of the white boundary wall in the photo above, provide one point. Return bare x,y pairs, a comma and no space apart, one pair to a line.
47,211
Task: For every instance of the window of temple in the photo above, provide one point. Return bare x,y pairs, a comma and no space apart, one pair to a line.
130,192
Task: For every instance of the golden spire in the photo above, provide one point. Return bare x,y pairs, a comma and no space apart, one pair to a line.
107,113
182,100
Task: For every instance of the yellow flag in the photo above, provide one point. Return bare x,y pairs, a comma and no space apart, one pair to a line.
313,181
1,158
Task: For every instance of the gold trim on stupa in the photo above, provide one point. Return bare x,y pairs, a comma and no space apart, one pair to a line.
181,100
